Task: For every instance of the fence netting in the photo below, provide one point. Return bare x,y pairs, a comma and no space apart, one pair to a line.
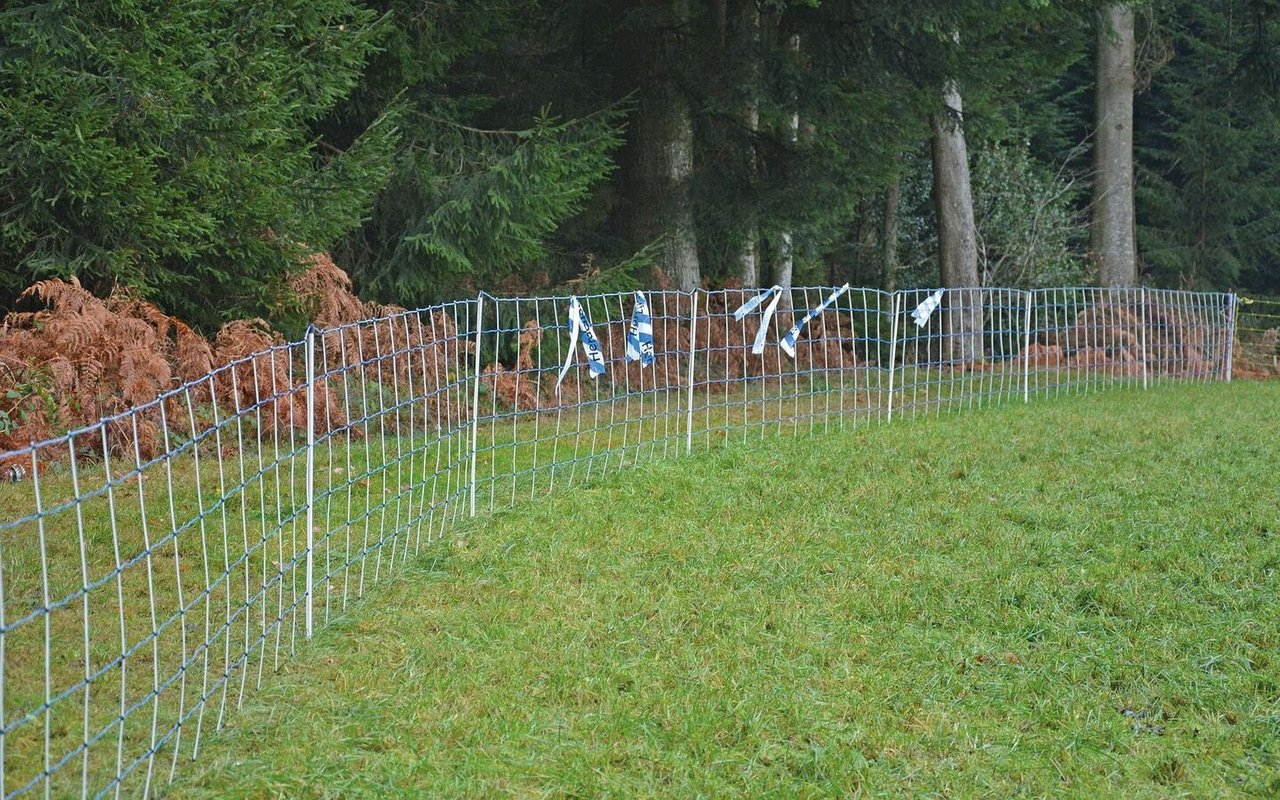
1258,338
156,566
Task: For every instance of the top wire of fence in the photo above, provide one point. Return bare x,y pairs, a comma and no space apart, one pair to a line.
157,565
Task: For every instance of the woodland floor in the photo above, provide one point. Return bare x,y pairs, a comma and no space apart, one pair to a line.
1071,598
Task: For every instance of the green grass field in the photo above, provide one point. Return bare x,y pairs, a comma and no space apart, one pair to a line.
1073,598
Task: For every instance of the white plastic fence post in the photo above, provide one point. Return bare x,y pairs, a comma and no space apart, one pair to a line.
308,598
4,719
475,398
693,360
1026,350
1232,302
1142,323
893,347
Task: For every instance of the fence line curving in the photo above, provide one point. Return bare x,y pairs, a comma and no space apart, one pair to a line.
157,565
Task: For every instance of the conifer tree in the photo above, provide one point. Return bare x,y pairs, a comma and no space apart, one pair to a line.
1209,199
506,133
165,145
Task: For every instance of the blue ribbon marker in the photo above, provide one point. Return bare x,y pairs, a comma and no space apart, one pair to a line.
789,341
776,292
580,331
640,335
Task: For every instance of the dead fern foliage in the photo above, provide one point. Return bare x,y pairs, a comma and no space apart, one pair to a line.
409,352
325,291
256,376
69,359
1128,339
1179,343
724,356
826,343
78,358
1258,354
399,355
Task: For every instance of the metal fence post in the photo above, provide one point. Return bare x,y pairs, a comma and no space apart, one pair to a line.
893,347
693,360
475,398
308,597
1142,323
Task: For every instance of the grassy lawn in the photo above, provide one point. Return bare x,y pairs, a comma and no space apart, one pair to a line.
1074,597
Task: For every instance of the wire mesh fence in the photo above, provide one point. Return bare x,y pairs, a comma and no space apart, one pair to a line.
1258,338
157,565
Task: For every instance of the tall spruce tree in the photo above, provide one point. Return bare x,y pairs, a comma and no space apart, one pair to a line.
659,158
165,145
1209,199
507,130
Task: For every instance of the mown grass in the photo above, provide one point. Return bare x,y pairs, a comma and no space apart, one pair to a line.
195,561
1070,598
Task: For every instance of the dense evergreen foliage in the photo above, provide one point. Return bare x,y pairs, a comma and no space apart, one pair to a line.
1208,135
192,149
165,145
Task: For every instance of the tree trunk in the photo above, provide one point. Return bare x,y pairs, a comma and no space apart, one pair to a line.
889,236
748,269
785,268
1111,235
786,245
748,35
680,246
957,237
720,18
659,165
867,244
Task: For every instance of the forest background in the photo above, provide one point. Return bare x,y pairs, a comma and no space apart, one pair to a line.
194,152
